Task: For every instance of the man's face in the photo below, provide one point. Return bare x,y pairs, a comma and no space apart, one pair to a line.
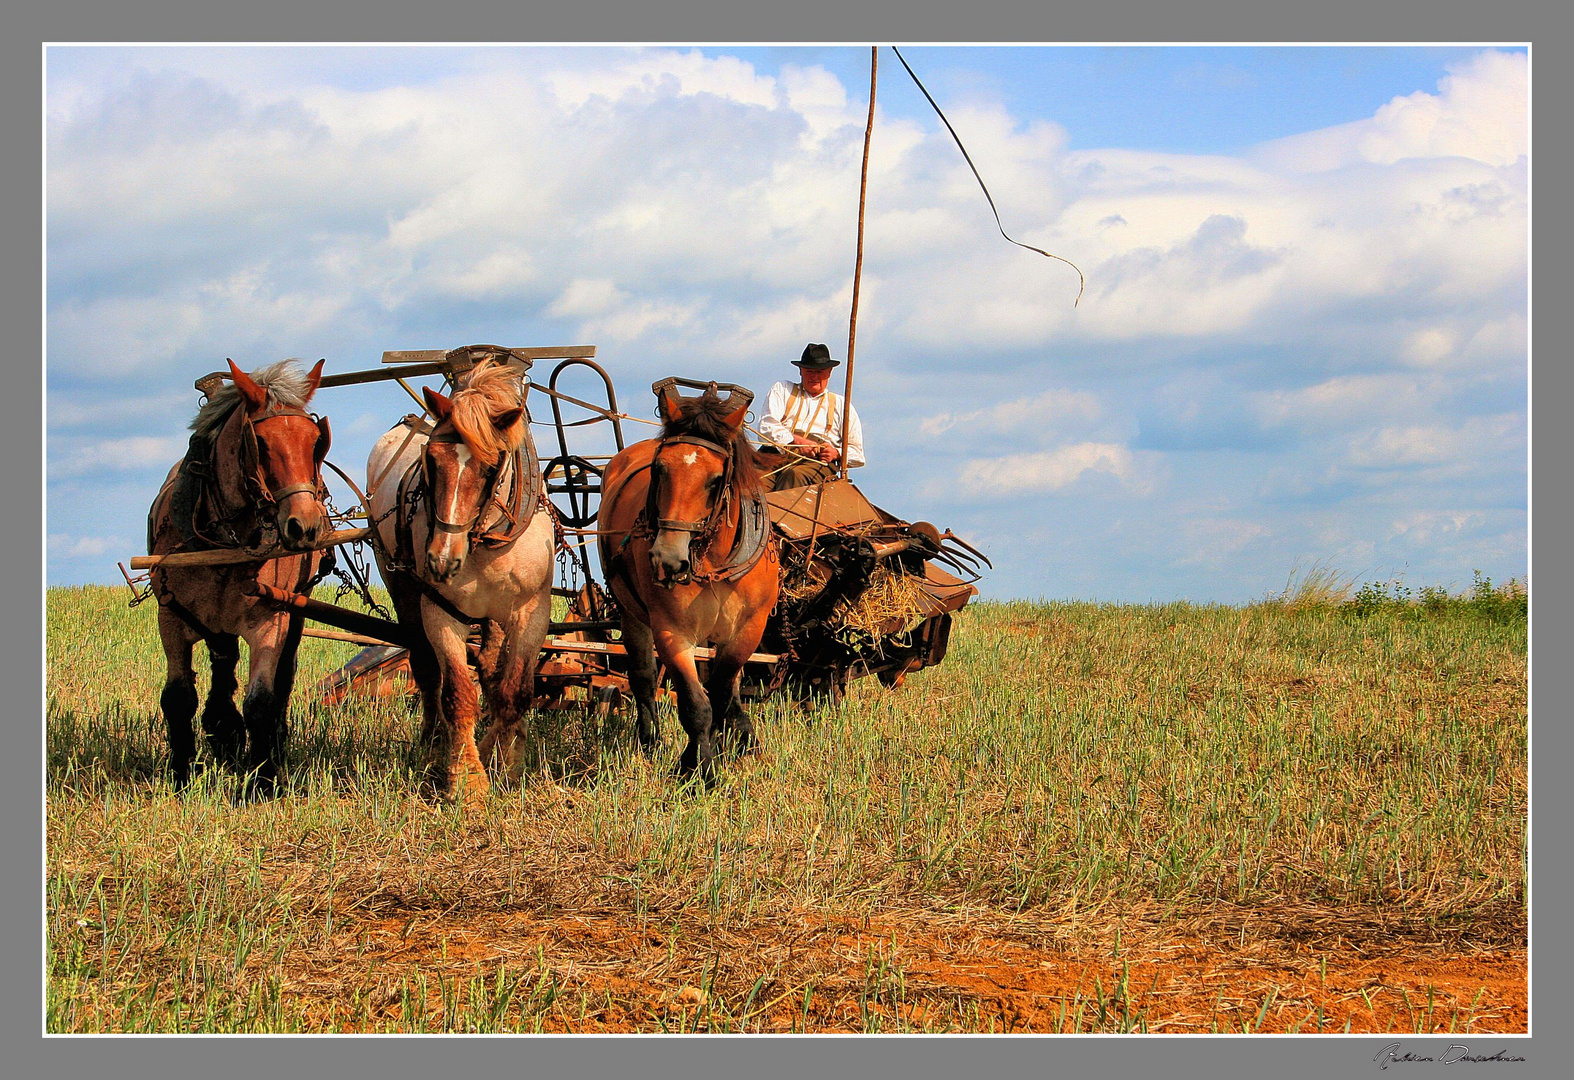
814,381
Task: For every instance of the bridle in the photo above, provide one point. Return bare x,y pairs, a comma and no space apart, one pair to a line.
494,476
251,465
515,515
702,529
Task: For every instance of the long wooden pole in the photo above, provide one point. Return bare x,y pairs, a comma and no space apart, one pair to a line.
858,266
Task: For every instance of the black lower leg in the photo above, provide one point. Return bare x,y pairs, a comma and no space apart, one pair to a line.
221,720
733,727
179,704
694,712
265,737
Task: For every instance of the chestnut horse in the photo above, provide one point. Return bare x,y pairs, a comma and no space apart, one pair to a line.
687,550
252,479
461,545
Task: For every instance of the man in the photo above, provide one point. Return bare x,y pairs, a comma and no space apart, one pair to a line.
802,425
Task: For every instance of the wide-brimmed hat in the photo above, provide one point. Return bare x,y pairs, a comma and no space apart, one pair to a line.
816,358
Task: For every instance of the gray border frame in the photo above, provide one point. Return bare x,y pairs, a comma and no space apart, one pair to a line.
716,21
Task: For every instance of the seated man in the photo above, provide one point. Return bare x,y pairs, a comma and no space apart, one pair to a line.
802,425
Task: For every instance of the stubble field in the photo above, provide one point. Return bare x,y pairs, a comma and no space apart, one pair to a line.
1168,818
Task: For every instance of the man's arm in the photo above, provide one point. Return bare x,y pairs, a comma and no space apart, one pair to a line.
855,439
771,427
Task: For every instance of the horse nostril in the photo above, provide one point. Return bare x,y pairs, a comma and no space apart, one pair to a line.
293,530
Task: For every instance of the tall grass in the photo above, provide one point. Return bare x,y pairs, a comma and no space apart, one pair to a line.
1068,763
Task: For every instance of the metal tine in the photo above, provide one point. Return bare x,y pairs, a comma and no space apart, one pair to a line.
949,535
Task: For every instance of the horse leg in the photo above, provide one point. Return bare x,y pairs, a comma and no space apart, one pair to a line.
423,668
513,688
734,729
221,720
694,710
638,644
178,701
273,642
462,775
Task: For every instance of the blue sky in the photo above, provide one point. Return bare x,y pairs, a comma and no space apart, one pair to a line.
1304,338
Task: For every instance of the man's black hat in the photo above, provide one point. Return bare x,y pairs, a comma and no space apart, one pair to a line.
816,358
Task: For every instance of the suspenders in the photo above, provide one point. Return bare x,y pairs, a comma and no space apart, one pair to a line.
794,411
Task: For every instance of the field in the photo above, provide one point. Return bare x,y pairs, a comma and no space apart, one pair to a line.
1285,817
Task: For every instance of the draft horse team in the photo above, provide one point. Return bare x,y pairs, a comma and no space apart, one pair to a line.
465,539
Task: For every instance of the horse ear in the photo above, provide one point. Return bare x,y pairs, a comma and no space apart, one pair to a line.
255,396
437,404
734,420
505,421
670,412
324,440
313,378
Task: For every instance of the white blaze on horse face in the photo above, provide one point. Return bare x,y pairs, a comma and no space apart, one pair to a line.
462,452
690,458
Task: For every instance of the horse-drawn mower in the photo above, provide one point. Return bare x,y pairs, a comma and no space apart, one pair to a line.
862,591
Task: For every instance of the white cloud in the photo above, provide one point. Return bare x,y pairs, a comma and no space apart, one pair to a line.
80,547
118,455
1438,444
1048,470
1429,525
1479,112
584,296
1049,406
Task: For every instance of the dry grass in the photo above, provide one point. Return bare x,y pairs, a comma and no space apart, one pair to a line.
1089,818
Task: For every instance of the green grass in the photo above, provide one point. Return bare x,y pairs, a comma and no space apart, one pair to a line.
1067,761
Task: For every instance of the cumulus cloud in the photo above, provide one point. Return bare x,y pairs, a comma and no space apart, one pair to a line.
1045,408
1047,470
80,547
1480,112
118,456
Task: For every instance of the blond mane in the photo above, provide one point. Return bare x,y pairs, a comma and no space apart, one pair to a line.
491,388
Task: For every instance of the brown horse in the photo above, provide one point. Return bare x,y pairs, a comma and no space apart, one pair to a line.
461,546
252,479
687,550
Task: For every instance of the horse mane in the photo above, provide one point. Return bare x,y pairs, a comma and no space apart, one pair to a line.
287,385
705,417
490,389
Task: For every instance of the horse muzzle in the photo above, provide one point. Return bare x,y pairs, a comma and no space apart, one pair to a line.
301,521
442,568
669,562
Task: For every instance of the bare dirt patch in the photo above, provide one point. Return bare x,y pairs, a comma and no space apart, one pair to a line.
610,972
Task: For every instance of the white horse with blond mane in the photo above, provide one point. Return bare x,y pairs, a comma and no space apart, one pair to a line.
465,543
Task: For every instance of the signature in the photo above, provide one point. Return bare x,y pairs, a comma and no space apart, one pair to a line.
1456,1052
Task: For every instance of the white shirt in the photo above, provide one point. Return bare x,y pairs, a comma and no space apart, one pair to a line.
789,411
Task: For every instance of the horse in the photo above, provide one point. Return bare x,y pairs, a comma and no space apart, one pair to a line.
465,540
686,548
251,478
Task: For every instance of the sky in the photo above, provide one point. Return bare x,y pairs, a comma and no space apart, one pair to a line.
1303,343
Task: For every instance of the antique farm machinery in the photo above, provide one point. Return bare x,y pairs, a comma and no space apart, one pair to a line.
863,592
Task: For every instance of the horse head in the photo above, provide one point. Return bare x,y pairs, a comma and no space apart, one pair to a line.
290,445
691,472
477,429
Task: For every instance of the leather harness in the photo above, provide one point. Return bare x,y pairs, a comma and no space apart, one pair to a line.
749,543
196,503
516,509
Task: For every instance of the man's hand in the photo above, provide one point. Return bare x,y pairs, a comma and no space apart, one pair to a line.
828,453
